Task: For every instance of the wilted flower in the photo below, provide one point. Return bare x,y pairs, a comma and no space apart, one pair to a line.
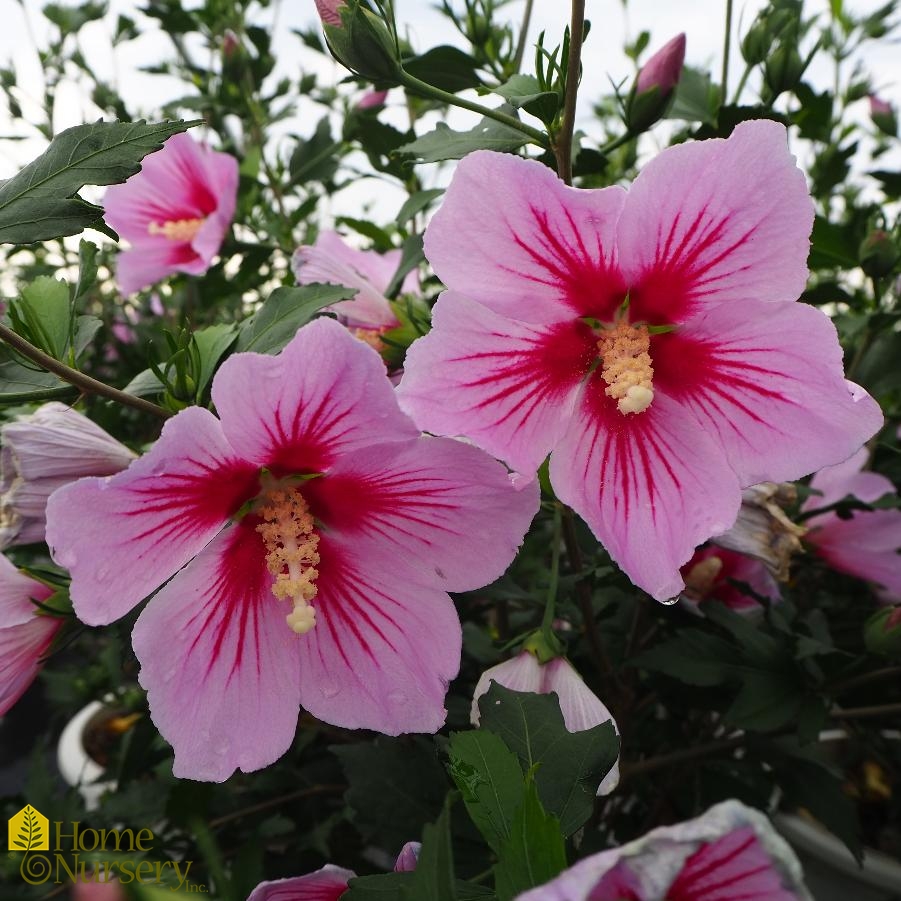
716,574
580,706
654,85
332,261
42,452
731,852
25,635
867,543
174,212
649,341
762,530
310,486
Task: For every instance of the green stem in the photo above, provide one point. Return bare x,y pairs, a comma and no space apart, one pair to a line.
741,84
523,36
83,382
727,42
547,624
617,142
536,136
563,141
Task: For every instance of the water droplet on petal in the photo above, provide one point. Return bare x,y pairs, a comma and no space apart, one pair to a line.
329,690
670,601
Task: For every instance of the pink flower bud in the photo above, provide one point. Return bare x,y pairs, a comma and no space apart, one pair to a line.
663,69
230,43
883,115
408,857
328,11
372,99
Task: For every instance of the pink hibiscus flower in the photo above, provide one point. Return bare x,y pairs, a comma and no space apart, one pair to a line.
649,341
711,575
174,212
729,853
334,262
868,544
25,636
321,535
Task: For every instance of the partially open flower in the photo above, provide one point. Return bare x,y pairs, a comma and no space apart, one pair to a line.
762,529
25,633
729,853
174,212
41,452
580,706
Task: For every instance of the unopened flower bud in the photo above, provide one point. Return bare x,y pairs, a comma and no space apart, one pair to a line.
878,254
882,632
328,11
372,100
883,115
756,43
231,44
360,41
783,69
654,85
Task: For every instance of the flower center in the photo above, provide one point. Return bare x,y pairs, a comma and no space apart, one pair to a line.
371,336
701,578
177,229
626,366
291,541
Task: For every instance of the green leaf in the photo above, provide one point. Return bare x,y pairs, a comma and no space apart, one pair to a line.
411,256
383,887
211,342
86,327
41,201
446,68
434,875
524,92
534,853
284,312
697,98
490,779
87,269
695,657
831,246
145,384
41,315
446,144
767,700
571,765
416,203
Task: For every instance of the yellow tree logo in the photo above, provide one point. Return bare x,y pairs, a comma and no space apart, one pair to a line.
29,830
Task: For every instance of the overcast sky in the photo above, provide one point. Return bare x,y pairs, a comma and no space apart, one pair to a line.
702,20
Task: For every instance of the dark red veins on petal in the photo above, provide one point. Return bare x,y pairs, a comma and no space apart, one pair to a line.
585,281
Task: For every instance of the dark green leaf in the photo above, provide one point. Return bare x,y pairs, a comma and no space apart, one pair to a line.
534,853
283,313
695,657
416,203
410,258
446,144
40,202
41,315
383,887
697,98
571,765
434,874
490,779
831,246
87,269
524,92
212,342
446,68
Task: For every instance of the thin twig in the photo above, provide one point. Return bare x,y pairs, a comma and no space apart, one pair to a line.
276,802
563,141
523,36
888,672
727,44
83,382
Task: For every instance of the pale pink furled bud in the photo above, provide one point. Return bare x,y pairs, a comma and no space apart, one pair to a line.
580,706
762,529
663,69
230,43
25,635
883,115
408,857
328,11
41,452
371,100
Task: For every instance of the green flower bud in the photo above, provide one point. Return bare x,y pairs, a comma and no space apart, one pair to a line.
783,70
882,632
878,254
364,45
755,43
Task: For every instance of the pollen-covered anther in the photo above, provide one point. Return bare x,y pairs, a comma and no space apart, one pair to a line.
701,578
292,544
626,366
177,229
371,336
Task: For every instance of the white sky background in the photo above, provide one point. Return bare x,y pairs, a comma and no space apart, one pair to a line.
702,20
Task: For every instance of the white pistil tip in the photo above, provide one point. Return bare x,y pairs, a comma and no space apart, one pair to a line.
637,400
301,619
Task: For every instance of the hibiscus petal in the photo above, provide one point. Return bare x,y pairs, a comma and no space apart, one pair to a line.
767,380
515,238
219,662
651,486
155,259
326,394
445,506
385,645
836,482
22,648
17,591
327,884
508,386
145,523
618,884
710,221
732,868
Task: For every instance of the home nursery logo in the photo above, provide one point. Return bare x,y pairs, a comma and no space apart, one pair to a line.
78,854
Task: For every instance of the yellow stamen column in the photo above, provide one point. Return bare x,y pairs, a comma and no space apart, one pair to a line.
288,533
626,366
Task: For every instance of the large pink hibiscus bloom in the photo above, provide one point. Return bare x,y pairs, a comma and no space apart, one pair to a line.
309,537
649,341
174,212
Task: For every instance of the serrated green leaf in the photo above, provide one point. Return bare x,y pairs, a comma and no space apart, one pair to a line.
533,853
490,779
41,201
434,874
284,312
446,144
41,314
571,765
212,343
444,67
383,887
86,328
21,384
145,384
524,91
87,269
416,203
